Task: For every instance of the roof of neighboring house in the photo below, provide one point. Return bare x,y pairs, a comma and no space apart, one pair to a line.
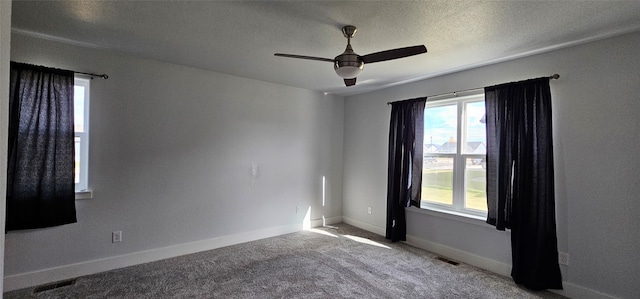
450,146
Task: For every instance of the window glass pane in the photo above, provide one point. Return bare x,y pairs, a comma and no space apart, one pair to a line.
437,179
440,129
476,140
76,168
454,130
476,184
78,108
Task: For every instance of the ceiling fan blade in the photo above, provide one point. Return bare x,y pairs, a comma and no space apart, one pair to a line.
394,54
304,57
350,82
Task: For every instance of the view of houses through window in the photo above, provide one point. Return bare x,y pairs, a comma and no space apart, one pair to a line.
454,173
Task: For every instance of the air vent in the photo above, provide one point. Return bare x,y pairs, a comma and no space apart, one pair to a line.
54,285
448,261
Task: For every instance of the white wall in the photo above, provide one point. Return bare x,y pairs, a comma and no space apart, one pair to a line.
170,155
596,105
5,47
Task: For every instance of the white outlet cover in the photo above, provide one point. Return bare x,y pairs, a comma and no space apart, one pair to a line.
116,237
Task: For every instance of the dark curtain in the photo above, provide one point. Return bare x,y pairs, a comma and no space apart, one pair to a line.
40,168
404,181
520,187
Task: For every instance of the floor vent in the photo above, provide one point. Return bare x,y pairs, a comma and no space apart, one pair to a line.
448,261
54,285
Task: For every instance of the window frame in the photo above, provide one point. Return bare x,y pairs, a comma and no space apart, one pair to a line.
83,183
460,157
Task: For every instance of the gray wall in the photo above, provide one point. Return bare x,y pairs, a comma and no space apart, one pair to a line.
596,104
170,155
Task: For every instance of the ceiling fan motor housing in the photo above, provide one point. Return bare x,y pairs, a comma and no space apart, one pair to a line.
348,65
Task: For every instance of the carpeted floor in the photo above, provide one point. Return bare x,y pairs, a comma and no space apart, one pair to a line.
331,262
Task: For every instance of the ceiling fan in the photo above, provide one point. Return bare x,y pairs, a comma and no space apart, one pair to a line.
349,64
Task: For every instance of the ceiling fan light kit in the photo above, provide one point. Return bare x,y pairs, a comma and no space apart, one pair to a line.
348,71
348,65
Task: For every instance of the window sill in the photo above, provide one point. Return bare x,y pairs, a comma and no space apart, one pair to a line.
452,215
85,194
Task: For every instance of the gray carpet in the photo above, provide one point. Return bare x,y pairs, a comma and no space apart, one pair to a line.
339,262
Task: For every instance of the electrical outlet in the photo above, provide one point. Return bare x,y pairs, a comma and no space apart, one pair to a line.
297,209
563,258
116,237
369,210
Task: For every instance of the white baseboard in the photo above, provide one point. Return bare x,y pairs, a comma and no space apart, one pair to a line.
461,256
326,221
30,279
575,291
570,290
366,226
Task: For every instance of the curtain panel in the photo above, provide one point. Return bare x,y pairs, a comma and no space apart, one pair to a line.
40,168
404,180
520,178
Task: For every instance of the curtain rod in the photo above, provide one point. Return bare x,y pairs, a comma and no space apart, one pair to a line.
553,77
103,76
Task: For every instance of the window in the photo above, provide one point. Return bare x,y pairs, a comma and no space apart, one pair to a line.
81,130
453,173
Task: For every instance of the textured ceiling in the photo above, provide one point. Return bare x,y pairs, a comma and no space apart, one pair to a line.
240,37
